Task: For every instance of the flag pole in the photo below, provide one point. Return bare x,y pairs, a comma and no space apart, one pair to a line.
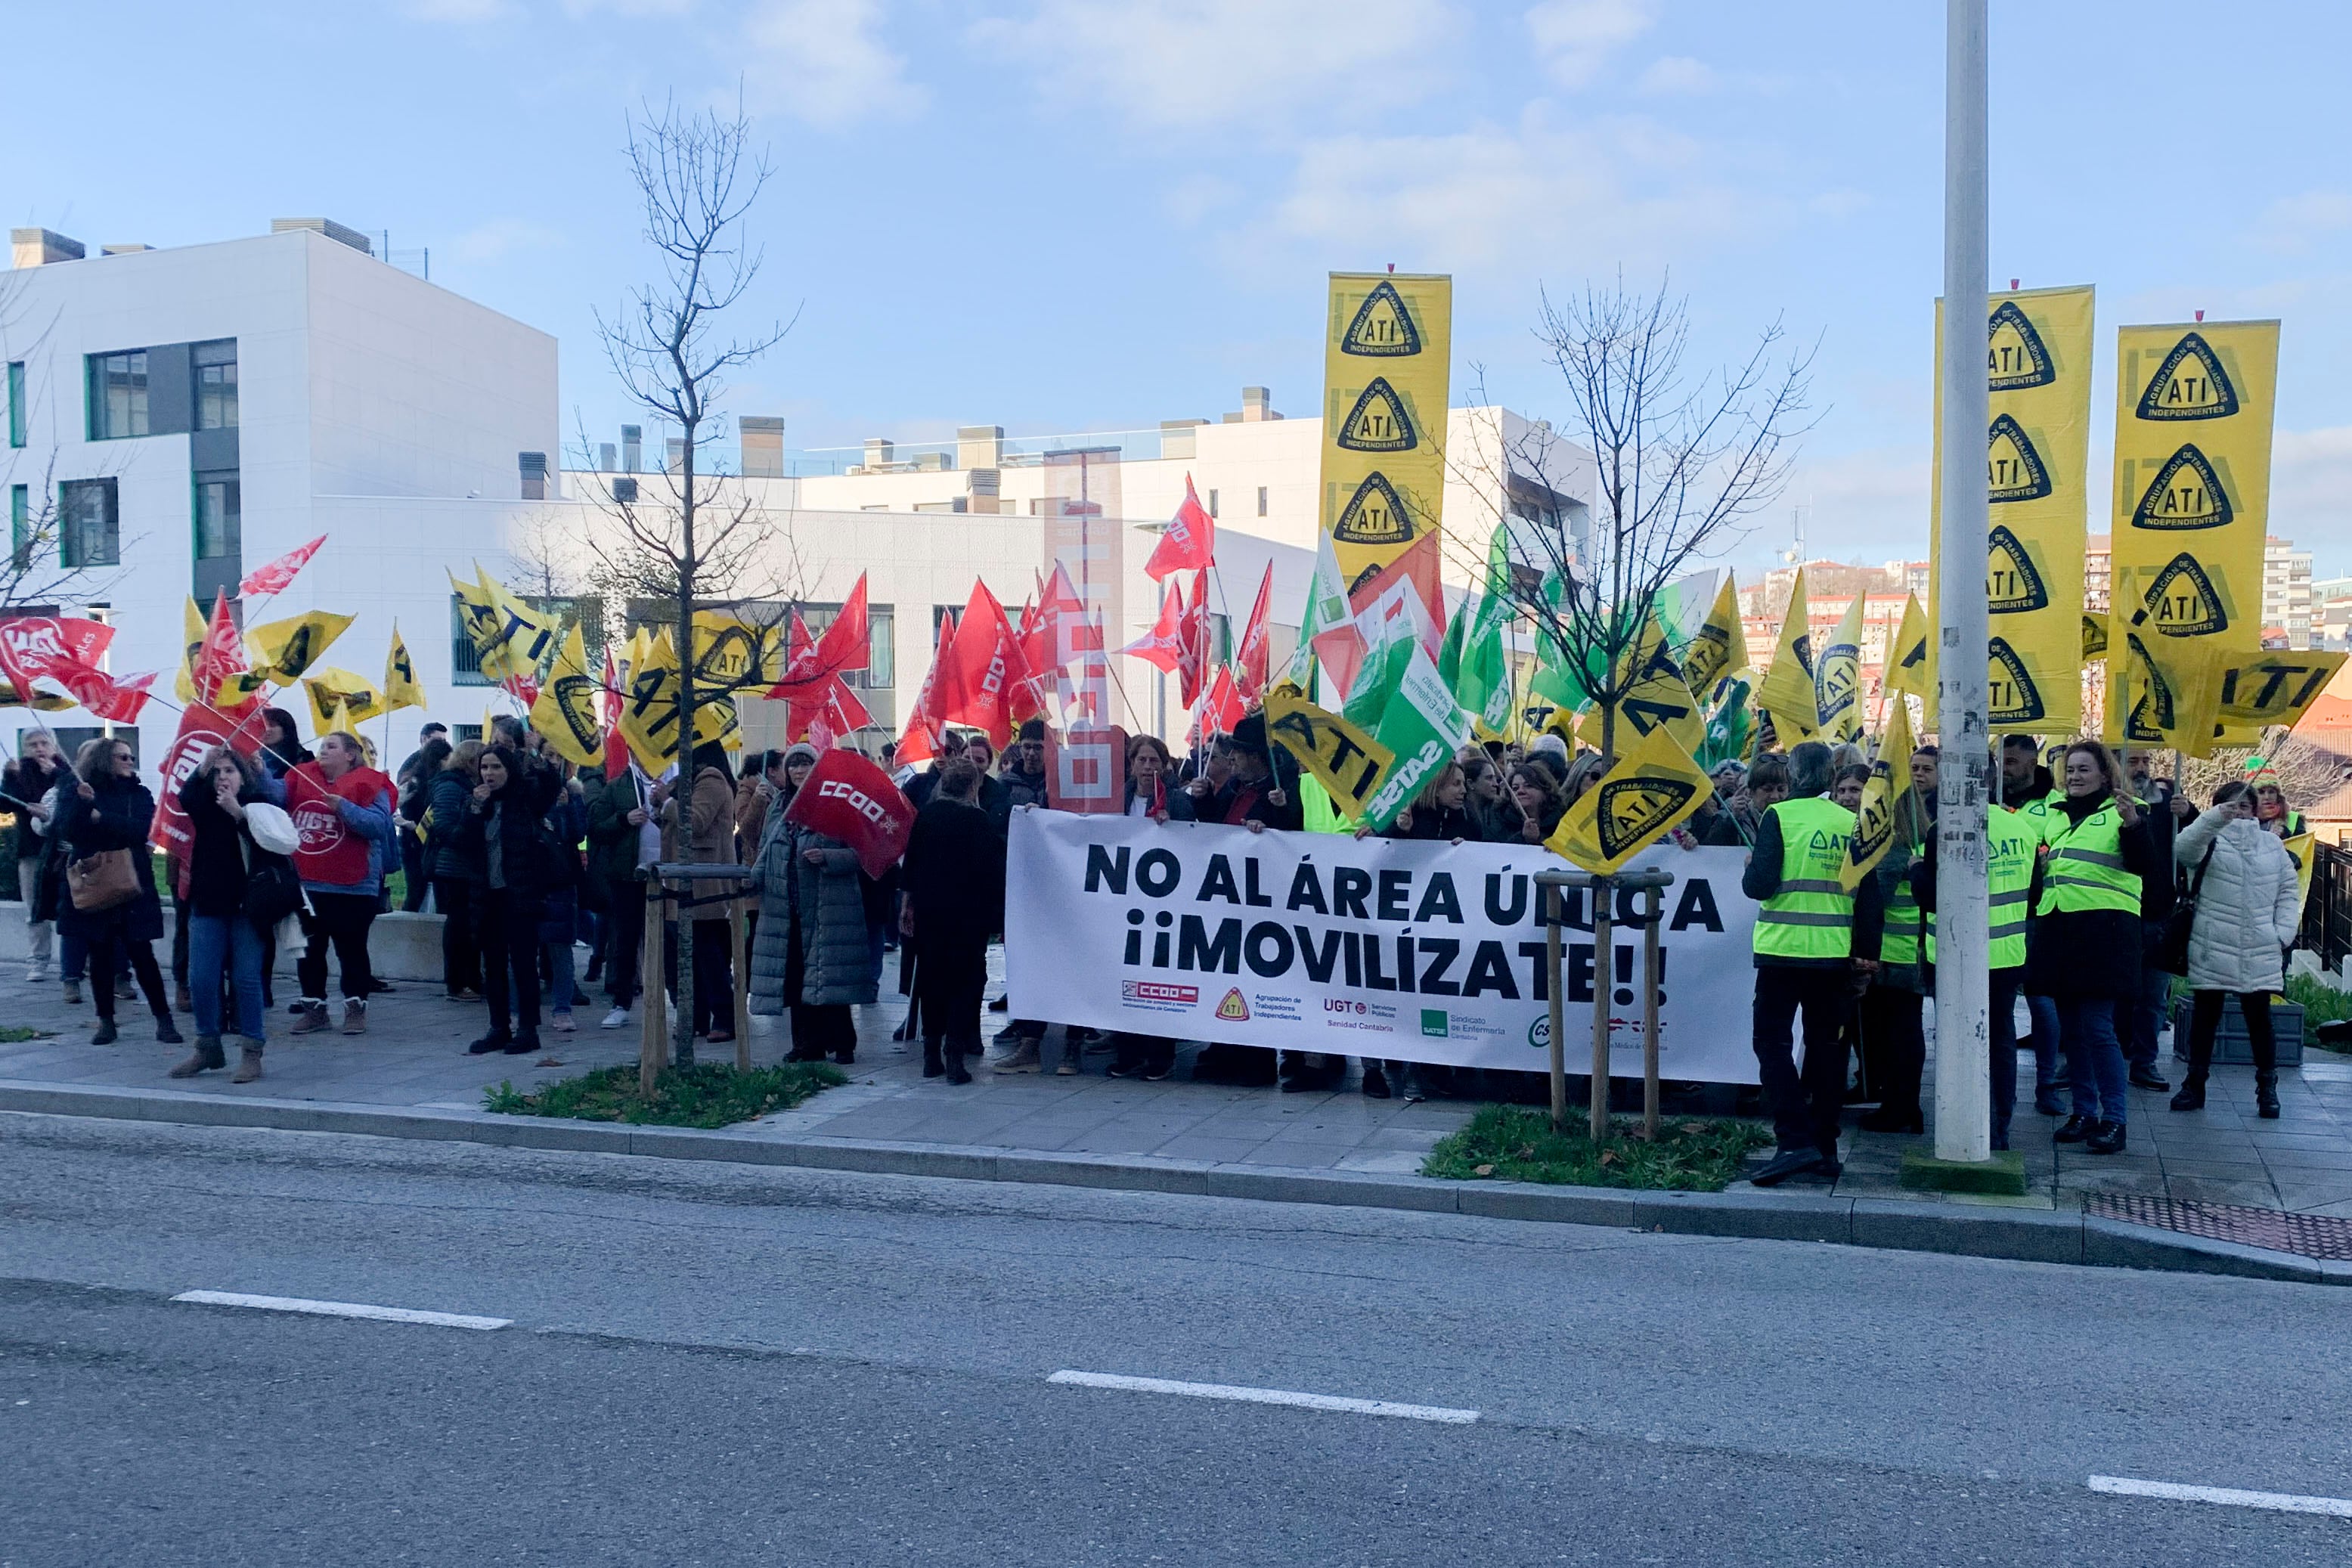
1963,1038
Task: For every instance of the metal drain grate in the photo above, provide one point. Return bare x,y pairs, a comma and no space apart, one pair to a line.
2306,1235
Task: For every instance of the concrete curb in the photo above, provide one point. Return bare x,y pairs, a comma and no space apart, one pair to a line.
2023,1235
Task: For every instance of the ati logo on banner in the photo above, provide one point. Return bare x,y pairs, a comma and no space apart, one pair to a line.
2012,582
2014,471
1382,328
2182,602
1234,1009
2190,385
1379,422
1375,514
2014,356
2011,696
1631,808
2184,494
579,697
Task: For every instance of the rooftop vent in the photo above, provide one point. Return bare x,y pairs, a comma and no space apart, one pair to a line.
123,249
534,475
327,226
40,246
763,445
633,437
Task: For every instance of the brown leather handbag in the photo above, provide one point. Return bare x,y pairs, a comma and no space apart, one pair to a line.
105,880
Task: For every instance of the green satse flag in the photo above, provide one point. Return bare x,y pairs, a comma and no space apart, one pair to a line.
1424,727
1730,727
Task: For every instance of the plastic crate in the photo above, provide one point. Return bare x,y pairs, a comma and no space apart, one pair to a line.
2229,1039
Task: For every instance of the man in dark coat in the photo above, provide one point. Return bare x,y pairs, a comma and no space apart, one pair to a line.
954,878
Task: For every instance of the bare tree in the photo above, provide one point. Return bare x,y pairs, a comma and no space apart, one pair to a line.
33,573
1680,460
2307,771
701,535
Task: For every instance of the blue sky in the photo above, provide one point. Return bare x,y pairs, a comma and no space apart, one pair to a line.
1066,214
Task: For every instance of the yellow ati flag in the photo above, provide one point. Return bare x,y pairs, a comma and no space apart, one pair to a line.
1786,691
1348,763
1387,353
1653,789
1876,825
1910,662
2191,498
569,710
2037,447
1719,647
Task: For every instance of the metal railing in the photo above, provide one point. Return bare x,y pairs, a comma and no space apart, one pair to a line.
2328,913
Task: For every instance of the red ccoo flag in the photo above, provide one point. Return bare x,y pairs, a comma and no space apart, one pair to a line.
920,742
1191,541
278,574
1163,646
977,684
1251,659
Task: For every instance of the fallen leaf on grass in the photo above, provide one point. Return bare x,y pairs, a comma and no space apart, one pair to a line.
1483,1171
548,1062
1608,1156
1694,1127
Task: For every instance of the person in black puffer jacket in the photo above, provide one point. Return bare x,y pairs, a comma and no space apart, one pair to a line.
222,859
103,809
507,848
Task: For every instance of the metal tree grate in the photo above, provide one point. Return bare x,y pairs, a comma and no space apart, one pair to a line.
2322,1237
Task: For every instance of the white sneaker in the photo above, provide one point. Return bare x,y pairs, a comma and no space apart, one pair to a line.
35,974
617,1017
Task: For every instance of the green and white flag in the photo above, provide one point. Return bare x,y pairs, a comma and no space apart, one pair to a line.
1420,723
1327,607
1481,678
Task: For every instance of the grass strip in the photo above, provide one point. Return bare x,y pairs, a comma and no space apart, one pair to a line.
708,1094
1517,1144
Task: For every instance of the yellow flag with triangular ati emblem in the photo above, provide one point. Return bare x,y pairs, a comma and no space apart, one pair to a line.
1653,789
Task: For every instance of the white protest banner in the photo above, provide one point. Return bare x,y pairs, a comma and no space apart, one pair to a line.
1390,948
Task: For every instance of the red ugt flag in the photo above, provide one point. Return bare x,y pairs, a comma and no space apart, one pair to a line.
1191,541
279,575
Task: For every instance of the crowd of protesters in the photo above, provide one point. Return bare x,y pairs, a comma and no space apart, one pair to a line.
535,865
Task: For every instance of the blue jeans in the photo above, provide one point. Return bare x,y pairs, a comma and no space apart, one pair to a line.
2138,1019
215,939
2094,1061
560,980
2043,1011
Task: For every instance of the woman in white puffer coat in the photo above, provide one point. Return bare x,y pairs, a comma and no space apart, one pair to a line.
2248,907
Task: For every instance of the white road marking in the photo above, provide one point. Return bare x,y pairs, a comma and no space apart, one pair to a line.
340,1310
2278,1502
1266,1396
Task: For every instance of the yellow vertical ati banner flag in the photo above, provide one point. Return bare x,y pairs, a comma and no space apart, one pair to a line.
2037,455
401,686
1387,351
1910,662
1787,692
2193,410
1719,647
1837,678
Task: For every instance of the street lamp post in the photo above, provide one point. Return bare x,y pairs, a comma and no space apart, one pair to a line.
1963,1103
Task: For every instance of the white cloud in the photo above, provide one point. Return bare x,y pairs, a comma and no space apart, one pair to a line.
2294,224
1677,76
1542,194
1577,37
823,61
1238,63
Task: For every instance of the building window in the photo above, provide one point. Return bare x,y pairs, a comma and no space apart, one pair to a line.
16,403
217,384
90,525
20,525
1261,501
1213,504
118,395
219,516
881,670
464,658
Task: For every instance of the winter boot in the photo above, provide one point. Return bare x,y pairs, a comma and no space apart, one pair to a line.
167,1031
932,1066
2191,1096
312,1017
207,1058
248,1062
105,1033
2266,1103
1022,1057
355,1015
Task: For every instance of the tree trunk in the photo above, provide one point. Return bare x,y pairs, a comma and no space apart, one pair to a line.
682,794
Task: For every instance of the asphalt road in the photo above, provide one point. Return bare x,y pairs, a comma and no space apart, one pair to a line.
722,1364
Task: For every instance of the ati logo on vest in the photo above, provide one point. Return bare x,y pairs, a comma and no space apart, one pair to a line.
2013,469
1375,514
1630,809
1379,422
2014,356
2190,385
1381,328
1232,1009
2012,582
320,823
2185,493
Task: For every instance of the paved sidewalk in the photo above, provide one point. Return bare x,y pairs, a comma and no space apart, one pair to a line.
412,1058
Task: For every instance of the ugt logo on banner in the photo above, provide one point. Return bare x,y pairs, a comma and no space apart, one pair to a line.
847,798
